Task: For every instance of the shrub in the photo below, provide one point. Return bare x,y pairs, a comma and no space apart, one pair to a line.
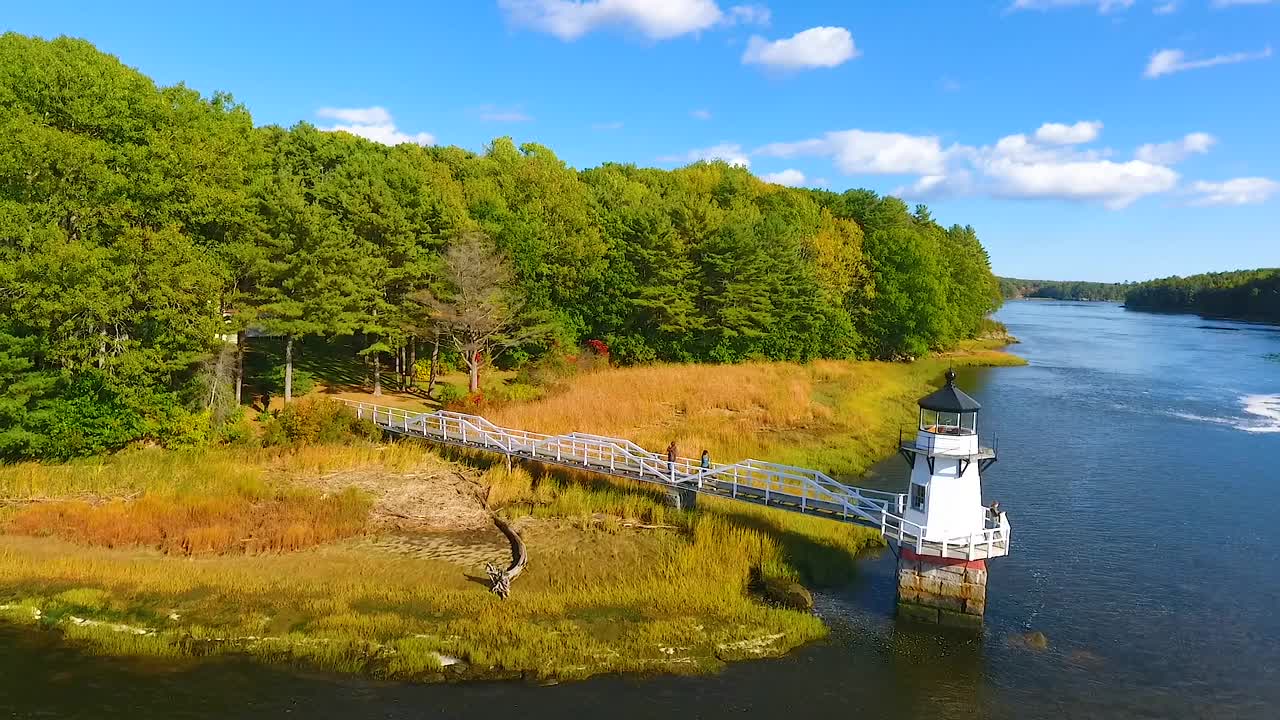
512,392
235,429
548,370
450,394
629,350
317,421
992,328
189,430
93,415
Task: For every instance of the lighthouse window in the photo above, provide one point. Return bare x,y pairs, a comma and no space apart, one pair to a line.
917,497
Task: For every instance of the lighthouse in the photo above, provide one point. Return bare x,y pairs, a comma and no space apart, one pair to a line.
943,530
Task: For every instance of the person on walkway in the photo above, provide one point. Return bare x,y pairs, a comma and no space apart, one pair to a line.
706,460
996,511
672,454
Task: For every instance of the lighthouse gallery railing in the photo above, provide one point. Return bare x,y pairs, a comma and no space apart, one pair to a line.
783,486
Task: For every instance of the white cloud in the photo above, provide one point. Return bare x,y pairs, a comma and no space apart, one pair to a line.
789,177
655,19
357,116
493,113
1049,163
1238,191
795,149
1017,166
1232,3
958,182
951,85
731,153
1167,62
700,114
862,151
749,15
1116,185
374,123
1059,134
1171,153
818,47
1168,8
1104,6
615,125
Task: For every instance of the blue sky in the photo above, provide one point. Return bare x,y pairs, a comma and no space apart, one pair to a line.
1084,139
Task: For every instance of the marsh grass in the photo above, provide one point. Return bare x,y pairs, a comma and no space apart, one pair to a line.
557,493
595,599
284,521
599,603
599,596
195,502
835,416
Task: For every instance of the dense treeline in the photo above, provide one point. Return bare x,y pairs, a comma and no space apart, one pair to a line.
1249,294
1014,288
141,228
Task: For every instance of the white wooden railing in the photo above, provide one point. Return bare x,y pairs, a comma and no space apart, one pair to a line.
785,486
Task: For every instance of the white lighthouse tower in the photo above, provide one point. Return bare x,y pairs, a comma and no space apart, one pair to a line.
946,532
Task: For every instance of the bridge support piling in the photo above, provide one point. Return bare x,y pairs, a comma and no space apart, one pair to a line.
941,591
682,498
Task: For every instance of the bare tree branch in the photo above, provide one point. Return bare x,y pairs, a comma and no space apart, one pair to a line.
483,312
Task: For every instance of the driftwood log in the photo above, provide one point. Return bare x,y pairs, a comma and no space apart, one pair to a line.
500,580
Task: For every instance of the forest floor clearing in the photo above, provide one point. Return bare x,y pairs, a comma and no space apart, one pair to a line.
369,557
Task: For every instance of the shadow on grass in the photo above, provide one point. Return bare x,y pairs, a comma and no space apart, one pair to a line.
335,363
820,562
480,580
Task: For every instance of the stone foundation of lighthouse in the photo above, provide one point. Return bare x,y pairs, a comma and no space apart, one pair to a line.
941,591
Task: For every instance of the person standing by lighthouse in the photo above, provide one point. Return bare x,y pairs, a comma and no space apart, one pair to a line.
944,532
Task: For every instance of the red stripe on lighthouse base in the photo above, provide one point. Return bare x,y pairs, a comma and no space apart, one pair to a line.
909,554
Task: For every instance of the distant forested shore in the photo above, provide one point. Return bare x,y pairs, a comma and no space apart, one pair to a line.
1015,288
1241,294
150,235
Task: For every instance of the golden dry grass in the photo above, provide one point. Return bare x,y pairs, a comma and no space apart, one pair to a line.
835,416
245,471
200,525
196,502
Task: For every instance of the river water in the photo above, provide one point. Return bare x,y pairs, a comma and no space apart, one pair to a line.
1138,465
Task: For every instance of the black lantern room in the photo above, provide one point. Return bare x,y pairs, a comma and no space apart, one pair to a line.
949,411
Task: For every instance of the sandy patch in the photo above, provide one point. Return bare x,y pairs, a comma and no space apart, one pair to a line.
438,497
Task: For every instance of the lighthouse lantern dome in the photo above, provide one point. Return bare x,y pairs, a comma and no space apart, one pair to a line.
949,411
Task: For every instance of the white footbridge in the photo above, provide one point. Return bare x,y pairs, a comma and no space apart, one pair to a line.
796,489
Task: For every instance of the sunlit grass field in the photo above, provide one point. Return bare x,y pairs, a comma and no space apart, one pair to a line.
836,416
